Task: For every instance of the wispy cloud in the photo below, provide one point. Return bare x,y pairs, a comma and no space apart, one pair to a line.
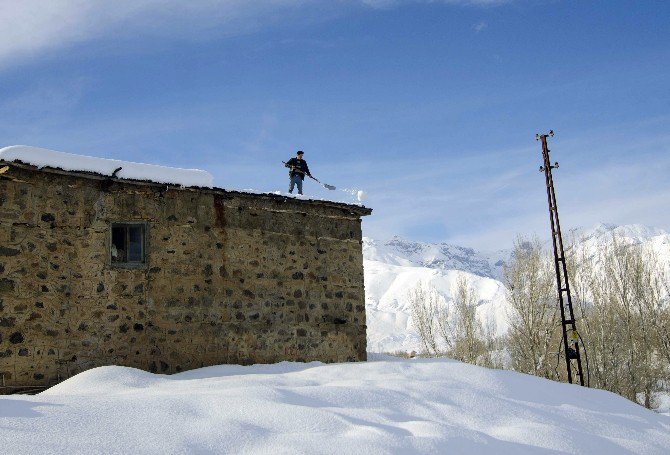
480,26
616,174
30,28
392,3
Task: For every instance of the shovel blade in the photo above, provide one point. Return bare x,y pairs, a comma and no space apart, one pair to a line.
329,187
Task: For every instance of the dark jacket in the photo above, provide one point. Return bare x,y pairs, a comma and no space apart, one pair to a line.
296,166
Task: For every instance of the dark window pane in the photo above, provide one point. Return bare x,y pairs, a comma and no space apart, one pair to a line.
135,243
118,244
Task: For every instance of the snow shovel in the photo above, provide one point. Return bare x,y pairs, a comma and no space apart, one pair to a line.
325,185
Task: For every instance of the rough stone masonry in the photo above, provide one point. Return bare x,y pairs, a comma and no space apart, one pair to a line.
218,277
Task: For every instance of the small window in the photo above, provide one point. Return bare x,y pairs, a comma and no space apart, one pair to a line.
128,245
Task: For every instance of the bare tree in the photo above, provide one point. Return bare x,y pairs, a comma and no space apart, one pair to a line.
533,338
621,294
424,304
630,292
453,329
467,335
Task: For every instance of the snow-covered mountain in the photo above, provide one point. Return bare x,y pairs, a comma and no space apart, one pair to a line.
440,256
393,267
602,235
388,307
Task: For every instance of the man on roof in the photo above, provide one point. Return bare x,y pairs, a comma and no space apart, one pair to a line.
298,171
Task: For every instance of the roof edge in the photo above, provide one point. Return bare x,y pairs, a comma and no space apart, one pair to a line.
359,210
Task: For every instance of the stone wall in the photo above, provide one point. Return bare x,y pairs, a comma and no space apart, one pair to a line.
230,278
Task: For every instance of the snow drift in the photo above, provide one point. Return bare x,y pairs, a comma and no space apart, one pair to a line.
383,406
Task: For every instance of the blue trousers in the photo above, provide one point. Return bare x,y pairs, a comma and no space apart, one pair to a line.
295,180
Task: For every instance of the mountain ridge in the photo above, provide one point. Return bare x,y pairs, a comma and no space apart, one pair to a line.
395,266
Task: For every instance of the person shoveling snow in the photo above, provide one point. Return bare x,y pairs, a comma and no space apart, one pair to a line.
298,171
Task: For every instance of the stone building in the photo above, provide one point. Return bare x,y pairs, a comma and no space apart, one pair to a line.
105,262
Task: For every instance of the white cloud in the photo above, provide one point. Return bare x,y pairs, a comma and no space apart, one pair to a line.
479,27
616,174
391,3
30,28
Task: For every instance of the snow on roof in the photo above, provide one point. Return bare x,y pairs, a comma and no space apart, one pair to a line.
41,158
134,171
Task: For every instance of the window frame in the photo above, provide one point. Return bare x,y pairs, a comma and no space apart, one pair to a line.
145,245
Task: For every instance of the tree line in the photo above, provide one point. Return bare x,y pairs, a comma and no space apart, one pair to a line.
620,297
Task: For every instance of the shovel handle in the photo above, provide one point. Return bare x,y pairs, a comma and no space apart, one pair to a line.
325,185
298,170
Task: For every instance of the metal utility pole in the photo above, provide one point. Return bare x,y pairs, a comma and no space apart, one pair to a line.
570,335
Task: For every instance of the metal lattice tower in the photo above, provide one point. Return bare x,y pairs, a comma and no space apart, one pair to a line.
571,337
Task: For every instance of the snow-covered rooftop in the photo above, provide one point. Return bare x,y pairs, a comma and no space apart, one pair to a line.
44,158
133,171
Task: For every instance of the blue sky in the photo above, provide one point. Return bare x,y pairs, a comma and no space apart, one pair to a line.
431,107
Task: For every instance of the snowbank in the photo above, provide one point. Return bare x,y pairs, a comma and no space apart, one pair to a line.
383,406
134,171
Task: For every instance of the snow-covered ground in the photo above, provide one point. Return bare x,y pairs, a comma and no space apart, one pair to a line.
392,268
383,406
